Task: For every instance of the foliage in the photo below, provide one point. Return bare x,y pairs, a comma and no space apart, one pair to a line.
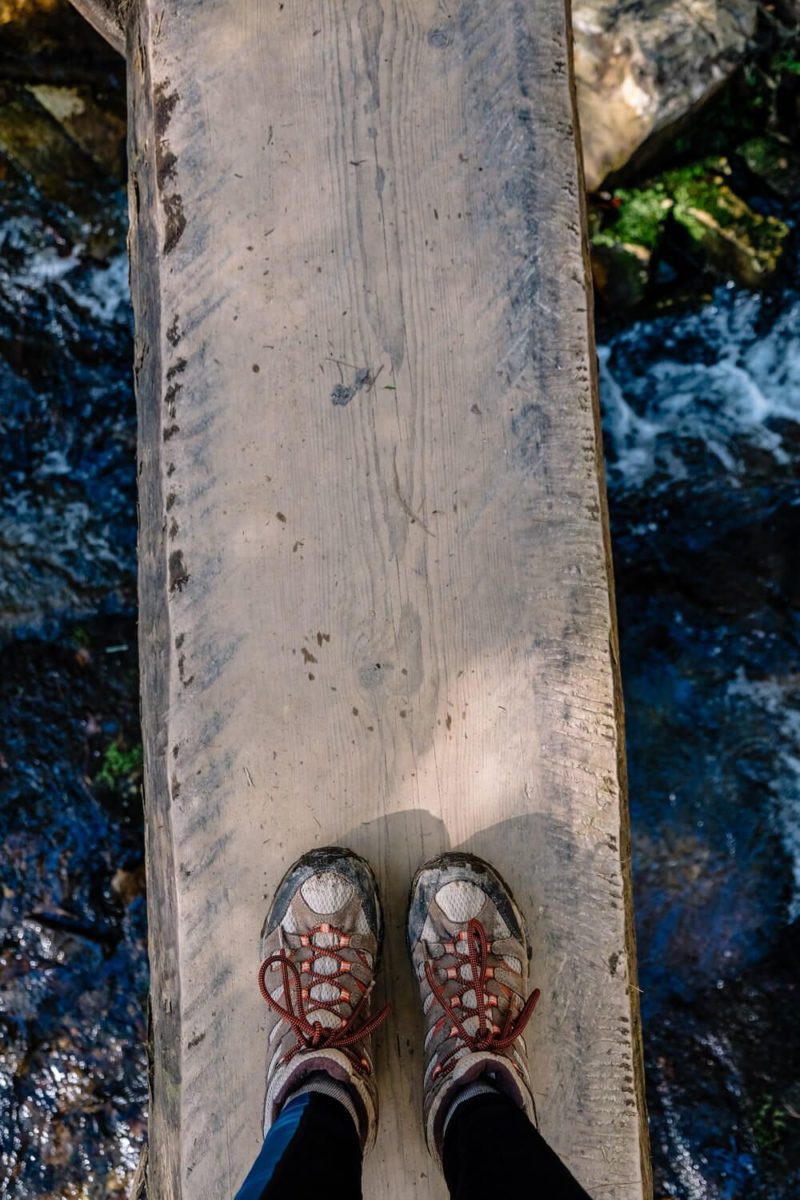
769,1125
640,216
121,767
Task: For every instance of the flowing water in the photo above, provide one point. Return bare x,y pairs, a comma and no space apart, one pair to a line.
73,966
702,426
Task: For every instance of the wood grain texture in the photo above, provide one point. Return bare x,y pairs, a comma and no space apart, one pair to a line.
374,571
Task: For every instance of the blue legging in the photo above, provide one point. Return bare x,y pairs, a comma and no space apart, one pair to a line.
490,1145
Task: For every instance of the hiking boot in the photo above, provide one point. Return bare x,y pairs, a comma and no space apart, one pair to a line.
320,945
469,949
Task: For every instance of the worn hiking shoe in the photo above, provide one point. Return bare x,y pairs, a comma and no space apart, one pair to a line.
320,945
469,949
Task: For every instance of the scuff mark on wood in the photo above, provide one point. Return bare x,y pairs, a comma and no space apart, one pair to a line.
166,162
343,393
178,575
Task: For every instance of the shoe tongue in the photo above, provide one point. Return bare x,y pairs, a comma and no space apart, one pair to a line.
472,1025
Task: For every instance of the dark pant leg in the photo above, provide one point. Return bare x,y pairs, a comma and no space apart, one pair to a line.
311,1150
492,1149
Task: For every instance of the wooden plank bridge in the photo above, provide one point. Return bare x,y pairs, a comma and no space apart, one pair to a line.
376,599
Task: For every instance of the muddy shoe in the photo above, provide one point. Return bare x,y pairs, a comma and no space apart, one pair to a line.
320,945
470,954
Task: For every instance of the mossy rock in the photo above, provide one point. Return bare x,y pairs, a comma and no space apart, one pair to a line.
622,251
776,163
734,241
737,242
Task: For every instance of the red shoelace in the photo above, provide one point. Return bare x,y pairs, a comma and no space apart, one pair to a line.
313,1035
488,1035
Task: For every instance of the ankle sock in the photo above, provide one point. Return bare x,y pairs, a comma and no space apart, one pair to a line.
481,1087
325,1085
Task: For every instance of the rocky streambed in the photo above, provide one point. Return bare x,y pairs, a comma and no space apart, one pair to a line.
73,966
700,383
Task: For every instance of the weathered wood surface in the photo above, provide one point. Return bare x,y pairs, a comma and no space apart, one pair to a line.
108,17
375,598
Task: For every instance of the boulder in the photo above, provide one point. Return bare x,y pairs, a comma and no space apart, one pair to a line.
642,66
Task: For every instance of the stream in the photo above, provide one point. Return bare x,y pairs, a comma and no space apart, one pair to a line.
701,417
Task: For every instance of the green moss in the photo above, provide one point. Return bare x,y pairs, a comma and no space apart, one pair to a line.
120,766
641,214
758,153
698,186
703,199
735,241
785,62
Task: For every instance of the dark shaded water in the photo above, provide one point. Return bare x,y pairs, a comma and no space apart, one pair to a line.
73,969
702,419
702,424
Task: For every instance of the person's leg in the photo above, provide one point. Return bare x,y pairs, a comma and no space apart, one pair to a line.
469,949
319,946
521,1158
312,1149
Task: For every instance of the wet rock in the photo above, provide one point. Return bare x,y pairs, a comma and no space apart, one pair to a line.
39,147
621,273
128,884
641,67
73,967
98,130
789,9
